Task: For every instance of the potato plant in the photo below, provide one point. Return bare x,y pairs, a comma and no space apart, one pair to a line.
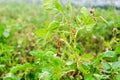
56,42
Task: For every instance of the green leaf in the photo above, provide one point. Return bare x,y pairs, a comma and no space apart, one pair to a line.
88,77
117,49
6,34
2,28
33,52
2,65
41,32
116,66
109,54
21,67
77,20
97,76
45,75
106,66
59,6
97,60
86,19
118,77
84,11
44,32
83,68
87,57
52,26
69,63
48,4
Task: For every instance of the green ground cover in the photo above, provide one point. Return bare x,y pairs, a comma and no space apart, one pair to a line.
55,42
